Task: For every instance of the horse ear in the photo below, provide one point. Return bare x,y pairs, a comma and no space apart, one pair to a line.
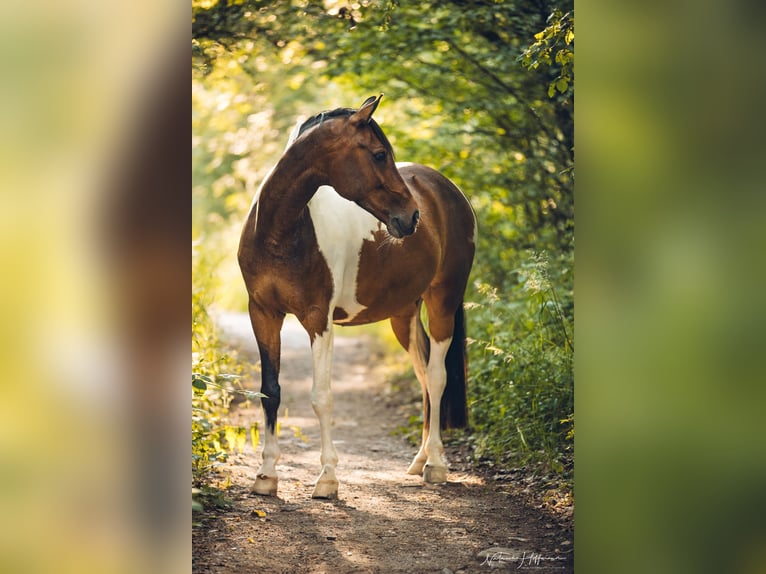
364,114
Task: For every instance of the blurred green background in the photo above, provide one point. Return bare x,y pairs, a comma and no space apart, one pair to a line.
671,454
671,451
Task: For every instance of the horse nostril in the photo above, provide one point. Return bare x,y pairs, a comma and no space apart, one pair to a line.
401,228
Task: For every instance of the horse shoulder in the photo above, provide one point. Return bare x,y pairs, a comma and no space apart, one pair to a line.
284,272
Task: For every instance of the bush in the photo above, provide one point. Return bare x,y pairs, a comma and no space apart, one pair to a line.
214,383
521,389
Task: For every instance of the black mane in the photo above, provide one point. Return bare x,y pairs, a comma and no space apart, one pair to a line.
345,112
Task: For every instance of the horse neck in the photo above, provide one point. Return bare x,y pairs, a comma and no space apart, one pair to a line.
287,191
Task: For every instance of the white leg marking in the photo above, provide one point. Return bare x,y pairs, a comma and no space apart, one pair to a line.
341,227
321,400
435,469
267,480
419,366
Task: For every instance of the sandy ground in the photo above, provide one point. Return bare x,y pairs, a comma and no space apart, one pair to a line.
384,520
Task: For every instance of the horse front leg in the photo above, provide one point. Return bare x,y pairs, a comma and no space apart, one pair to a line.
321,401
267,327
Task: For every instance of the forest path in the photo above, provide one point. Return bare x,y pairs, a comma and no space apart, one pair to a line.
385,521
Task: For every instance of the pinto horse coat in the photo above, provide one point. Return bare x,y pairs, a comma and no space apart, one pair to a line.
340,234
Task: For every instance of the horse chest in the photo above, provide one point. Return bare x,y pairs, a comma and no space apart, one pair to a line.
341,227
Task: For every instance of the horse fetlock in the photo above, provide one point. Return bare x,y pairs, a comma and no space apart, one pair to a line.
434,474
265,485
329,460
434,449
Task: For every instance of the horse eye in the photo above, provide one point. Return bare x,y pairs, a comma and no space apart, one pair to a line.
380,156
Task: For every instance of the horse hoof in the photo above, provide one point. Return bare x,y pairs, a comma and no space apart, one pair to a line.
326,489
416,467
265,485
435,474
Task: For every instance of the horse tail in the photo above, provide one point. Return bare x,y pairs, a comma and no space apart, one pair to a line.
454,404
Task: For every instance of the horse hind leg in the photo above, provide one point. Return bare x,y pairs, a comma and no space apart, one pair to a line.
447,350
411,335
435,469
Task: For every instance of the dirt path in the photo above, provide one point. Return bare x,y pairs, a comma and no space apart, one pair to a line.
385,520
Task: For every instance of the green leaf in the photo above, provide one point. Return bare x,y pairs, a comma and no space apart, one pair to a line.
551,89
198,382
563,56
562,85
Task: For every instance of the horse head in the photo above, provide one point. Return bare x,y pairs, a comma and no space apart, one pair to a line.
362,169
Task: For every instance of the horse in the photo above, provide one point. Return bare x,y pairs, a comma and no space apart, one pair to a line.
340,234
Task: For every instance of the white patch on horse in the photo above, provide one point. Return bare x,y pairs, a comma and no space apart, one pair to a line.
341,226
321,401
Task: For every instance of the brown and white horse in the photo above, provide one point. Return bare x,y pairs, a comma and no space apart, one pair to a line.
340,234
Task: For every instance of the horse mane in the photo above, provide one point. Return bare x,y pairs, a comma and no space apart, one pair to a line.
317,119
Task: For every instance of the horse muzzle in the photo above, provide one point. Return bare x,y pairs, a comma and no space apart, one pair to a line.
403,225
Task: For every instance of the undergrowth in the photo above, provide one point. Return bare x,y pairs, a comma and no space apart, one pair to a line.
215,382
521,356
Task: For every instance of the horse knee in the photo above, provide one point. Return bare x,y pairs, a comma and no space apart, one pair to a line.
321,401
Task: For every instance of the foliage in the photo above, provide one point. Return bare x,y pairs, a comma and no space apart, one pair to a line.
208,407
558,36
522,387
214,383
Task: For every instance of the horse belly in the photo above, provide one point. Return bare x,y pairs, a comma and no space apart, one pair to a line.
382,305
393,274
